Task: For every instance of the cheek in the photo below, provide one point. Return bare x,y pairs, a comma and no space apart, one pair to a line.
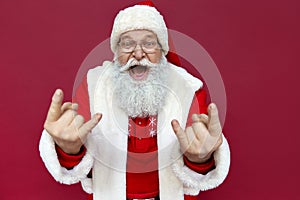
155,58
123,59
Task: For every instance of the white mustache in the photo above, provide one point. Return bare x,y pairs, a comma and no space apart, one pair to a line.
132,62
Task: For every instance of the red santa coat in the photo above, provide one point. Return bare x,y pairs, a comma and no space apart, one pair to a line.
134,188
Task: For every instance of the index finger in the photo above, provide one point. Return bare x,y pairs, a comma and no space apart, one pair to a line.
54,111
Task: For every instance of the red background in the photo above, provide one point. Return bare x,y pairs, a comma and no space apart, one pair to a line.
255,45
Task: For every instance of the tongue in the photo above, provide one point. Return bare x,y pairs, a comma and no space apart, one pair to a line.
139,69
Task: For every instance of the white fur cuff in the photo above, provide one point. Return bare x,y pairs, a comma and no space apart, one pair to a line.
59,173
194,182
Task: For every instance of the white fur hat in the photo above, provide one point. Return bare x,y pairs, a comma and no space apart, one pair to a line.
139,17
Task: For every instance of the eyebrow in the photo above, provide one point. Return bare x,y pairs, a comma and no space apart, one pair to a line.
125,37
149,36
128,37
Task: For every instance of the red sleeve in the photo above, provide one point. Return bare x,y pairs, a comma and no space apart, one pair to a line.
199,106
82,99
69,161
202,168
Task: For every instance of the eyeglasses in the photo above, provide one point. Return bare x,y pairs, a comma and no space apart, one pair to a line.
148,46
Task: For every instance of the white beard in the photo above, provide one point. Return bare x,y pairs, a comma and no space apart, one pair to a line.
141,98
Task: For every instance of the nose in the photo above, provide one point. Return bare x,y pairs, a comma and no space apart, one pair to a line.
138,52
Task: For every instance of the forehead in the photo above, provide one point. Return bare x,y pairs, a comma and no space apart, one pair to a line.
138,35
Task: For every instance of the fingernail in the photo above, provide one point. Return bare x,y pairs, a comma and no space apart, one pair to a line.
75,106
98,116
174,122
195,117
58,92
56,96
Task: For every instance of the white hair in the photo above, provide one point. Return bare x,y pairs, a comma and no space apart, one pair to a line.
141,98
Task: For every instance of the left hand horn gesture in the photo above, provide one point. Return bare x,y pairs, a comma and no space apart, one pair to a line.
199,141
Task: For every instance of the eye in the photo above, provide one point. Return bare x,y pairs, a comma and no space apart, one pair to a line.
149,44
127,44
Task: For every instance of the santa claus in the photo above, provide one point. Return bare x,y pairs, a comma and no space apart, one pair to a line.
139,126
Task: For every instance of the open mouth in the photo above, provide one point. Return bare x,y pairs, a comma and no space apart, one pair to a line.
138,72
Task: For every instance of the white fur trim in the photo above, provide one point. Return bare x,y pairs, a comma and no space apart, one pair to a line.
87,185
109,177
194,182
108,140
59,173
189,80
139,17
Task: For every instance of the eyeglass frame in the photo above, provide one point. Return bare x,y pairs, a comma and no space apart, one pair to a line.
141,44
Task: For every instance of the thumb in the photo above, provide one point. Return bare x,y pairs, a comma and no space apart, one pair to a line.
176,127
87,127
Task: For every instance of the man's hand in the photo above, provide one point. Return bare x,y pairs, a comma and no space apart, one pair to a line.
66,127
199,141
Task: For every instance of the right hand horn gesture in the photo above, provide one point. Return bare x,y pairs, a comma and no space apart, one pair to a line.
66,127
